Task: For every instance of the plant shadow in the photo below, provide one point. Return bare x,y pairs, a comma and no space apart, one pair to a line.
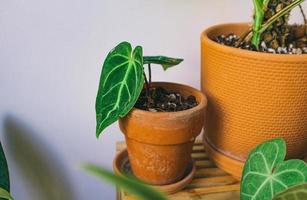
36,162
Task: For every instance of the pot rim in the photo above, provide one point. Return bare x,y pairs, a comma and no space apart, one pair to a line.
201,104
247,53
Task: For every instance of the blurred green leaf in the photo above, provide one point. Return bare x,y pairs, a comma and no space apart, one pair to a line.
5,194
166,62
131,185
4,172
298,192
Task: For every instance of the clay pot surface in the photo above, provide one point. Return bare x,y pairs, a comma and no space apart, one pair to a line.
160,143
252,97
121,166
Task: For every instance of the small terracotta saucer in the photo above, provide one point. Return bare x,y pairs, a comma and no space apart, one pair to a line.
121,166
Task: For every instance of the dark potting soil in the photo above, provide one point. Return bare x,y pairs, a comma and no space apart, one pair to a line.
163,100
293,46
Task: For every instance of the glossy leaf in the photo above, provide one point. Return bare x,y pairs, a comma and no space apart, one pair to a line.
266,173
4,172
298,192
4,194
166,62
134,187
120,84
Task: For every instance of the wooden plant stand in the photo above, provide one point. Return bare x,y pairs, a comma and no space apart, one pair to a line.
209,183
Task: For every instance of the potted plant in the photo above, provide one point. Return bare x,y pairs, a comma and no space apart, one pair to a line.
255,78
160,120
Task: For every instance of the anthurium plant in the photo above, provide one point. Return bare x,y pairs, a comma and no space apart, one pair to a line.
271,31
122,80
271,18
266,174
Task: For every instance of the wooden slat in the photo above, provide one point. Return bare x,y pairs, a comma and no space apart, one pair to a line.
212,181
209,172
215,193
209,183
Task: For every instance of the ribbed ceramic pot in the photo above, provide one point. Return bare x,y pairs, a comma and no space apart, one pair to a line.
159,144
252,97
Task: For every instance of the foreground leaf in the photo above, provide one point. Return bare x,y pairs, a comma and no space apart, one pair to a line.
132,186
266,173
298,192
120,84
4,172
5,194
166,62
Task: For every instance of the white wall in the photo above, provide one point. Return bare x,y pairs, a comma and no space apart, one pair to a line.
50,59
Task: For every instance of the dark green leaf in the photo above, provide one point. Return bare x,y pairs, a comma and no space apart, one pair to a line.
131,185
166,62
298,192
4,172
120,84
266,173
4,194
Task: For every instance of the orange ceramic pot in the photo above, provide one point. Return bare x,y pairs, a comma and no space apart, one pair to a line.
252,97
160,143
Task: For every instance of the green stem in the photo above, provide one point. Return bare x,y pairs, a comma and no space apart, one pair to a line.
259,28
149,74
283,12
146,85
260,9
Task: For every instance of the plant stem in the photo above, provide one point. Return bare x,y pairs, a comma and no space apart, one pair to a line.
146,85
281,13
149,74
260,9
242,38
305,20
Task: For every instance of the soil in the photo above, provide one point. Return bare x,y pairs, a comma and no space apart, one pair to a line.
293,45
163,100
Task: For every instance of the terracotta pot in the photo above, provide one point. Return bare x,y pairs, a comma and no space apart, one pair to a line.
160,144
252,97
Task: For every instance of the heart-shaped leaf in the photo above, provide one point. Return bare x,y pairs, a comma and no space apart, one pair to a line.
4,194
266,173
131,185
166,62
4,172
120,84
298,192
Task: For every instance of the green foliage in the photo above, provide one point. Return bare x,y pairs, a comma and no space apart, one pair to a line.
298,192
260,25
166,62
4,172
131,185
266,173
4,194
120,84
